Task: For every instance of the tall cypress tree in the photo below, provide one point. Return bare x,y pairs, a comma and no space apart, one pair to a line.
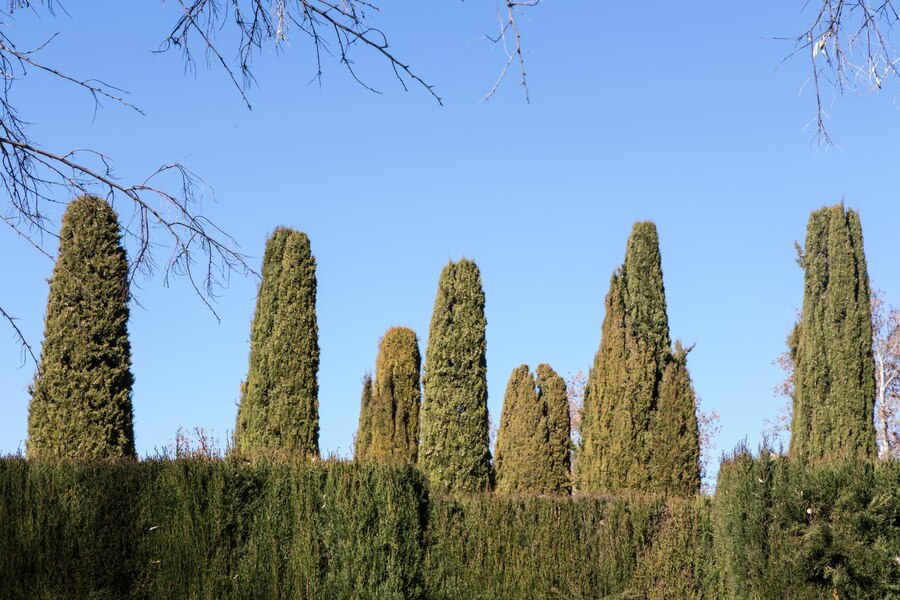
363,440
532,455
621,425
279,409
522,460
453,451
390,425
556,405
81,396
676,440
834,382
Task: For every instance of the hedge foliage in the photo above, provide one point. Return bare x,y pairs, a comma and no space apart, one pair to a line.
202,529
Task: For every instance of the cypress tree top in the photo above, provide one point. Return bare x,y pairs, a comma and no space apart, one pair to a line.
522,459
453,452
279,408
834,367
363,440
389,423
81,397
556,404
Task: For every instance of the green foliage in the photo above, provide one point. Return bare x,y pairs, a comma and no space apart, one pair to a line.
556,404
638,424
81,396
363,440
210,530
453,451
584,547
834,381
532,454
389,418
279,409
675,436
786,530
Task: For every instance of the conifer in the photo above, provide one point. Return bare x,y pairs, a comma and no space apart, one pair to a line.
453,451
627,443
81,396
279,409
391,427
522,458
834,382
676,439
363,440
556,404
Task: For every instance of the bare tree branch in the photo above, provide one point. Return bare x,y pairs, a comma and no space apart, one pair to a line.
849,46
513,50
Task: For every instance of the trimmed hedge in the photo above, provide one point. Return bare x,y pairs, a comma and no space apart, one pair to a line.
202,529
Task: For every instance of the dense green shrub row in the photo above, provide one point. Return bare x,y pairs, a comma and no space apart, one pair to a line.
208,530
788,531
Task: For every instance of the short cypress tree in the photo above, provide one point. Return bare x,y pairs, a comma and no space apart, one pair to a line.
556,404
676,439
453,451
834,382
391,427
621,429
279,409
81,396
363,440
522,461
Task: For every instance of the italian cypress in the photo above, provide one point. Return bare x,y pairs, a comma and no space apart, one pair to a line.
522,456
81,396
391,426
363,440
532,454
625,437
279,409
834,381
453,451
676,439
556,404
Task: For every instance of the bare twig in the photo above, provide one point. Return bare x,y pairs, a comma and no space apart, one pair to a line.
509,25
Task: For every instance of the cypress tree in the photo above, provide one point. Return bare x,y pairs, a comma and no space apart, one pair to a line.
363,440
625,439
522,459
532,455
453,451
834,382
676,439
81,396
391,425
279,409
556,405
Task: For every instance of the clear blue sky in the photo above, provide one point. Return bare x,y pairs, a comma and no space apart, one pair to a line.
675,114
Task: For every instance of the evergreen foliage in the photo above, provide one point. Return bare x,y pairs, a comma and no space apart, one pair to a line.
389,426
676,439
453,451
834,381
81,396
279,409
629,439
556,404
363,440
532,453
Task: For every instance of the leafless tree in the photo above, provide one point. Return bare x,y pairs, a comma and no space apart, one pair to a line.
850,46
164,210
886,350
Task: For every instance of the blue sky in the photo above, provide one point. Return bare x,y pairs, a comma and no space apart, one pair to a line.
676,114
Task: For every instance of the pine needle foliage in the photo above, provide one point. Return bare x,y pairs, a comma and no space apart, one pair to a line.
630,440
389,426
453,451
532,456
279,409
834,381
81,396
